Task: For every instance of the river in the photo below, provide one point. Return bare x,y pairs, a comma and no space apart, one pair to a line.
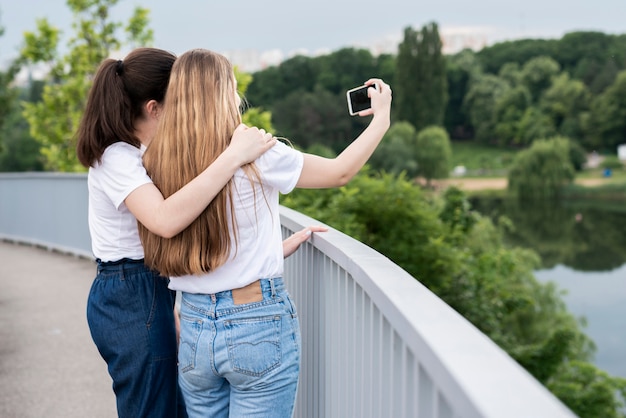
582,245
599,297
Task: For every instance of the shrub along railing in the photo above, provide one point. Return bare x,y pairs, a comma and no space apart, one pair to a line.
375,342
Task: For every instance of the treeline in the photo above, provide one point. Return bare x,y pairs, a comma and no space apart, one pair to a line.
509,94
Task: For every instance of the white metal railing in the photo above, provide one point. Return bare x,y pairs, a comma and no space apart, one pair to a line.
376,343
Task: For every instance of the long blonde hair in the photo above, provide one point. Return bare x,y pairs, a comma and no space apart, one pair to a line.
198,118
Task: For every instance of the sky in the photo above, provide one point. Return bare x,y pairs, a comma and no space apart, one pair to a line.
276,29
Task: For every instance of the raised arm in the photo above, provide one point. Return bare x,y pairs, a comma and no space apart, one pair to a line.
167,217
320,172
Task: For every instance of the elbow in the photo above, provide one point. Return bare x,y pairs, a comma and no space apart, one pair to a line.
163,231
343,179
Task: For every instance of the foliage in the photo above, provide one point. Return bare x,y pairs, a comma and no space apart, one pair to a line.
480,103
577,156
307,118
461,256
461,68
252,116
591,57
53,120
8,94
612,162
510,109
303,92
508,95
542,170
421,82
537,75
566,101
481,158
433,153
357,66
607,121
520,51
20,152
456,212
588,391
398,151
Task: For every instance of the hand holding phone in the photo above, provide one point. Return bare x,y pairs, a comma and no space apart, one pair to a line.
358,99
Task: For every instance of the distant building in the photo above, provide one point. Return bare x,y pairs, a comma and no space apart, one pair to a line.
621,152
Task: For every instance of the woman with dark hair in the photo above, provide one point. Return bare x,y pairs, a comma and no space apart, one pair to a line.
130,309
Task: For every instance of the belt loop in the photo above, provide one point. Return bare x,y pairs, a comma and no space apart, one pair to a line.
271,279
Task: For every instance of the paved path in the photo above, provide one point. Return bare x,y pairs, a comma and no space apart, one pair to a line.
49,367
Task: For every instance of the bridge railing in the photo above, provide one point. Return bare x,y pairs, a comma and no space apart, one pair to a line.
375,342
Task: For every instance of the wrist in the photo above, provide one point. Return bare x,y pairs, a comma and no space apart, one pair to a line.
231,159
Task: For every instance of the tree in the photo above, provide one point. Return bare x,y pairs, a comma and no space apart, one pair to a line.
461,69
537,75
421,83
307,118
519,51
434,153
346,68
480,103
509,110
542,170
20,151
607,121
54,120
567,103
398,151
8,93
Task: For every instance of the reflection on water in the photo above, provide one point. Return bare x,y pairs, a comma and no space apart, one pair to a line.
583,235
600,297
582,245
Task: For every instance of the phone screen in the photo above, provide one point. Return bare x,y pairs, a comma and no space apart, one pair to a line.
358,100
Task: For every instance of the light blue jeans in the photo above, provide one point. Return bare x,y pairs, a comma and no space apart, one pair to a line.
239,360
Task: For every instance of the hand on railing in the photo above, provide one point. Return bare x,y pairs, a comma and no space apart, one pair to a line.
291,244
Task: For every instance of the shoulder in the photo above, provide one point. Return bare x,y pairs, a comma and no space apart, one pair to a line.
280,152
123,149
121,153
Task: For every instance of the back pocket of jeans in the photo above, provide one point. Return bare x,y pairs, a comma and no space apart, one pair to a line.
190,329
254,344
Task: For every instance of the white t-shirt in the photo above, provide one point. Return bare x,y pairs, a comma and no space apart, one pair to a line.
113,228
259,252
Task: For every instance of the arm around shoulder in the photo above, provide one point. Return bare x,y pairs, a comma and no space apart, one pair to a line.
167,217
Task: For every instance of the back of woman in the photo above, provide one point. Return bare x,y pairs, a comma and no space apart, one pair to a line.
239,352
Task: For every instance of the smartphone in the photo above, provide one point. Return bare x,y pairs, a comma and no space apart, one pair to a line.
358,99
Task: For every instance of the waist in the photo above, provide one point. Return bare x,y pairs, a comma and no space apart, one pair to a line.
122,264
253,292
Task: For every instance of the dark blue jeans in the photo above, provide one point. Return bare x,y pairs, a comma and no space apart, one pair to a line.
130,312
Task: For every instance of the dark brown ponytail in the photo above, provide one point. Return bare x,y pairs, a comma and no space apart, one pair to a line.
116,98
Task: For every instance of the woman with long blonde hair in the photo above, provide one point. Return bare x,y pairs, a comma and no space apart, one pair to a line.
239,351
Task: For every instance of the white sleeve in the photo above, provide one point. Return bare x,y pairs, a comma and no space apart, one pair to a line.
281,167
122,171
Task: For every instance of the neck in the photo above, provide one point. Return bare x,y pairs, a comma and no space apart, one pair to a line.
144,132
